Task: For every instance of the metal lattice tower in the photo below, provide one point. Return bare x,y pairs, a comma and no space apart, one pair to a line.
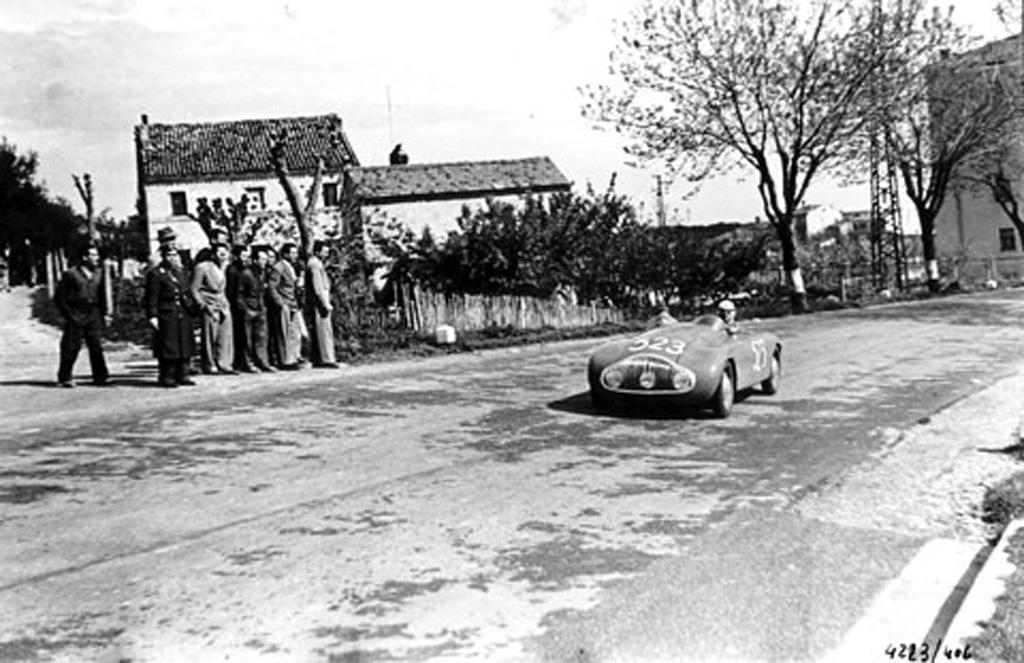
888,248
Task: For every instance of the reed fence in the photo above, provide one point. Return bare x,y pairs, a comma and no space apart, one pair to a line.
427,310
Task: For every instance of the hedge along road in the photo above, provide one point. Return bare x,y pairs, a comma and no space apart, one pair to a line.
466,507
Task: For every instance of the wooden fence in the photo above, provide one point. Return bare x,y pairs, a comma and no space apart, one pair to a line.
473,312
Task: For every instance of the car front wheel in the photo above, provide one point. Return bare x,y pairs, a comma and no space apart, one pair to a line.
725,395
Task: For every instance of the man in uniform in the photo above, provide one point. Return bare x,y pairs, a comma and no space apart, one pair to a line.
165,237
318,307
282,286
79,298
170,319
209,286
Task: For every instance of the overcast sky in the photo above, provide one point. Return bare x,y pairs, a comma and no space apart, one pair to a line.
466,79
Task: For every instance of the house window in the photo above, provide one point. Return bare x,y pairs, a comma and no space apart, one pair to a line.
1007,239
330,194
254,198
179,203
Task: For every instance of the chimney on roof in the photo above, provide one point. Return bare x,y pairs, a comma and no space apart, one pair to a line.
398,157
142,132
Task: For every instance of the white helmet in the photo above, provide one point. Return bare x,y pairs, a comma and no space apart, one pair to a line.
726,305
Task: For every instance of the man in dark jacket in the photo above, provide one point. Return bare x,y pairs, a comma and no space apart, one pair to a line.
79,298
233,276
252,312
168,315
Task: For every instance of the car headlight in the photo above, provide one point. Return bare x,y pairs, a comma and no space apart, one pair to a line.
647,379
681,381
613,378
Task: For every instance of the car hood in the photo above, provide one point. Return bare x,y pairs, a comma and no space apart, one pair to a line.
681,343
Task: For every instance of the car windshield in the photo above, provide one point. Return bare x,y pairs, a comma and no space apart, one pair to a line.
712,321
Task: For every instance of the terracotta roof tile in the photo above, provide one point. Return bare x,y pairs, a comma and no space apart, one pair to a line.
462,179
224,150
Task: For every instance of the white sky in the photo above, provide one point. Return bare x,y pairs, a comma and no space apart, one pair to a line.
467,79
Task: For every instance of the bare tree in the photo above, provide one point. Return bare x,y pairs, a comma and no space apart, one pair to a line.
303,211
778,88
84,186
946,116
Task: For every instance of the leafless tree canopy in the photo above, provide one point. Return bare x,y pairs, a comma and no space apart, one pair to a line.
782,89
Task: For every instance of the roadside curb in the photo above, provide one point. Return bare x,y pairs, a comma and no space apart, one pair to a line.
980,603
905,608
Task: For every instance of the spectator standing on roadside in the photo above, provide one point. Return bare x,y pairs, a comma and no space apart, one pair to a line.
282,286
168,315
209,286
318,307
252,312
232,277
165,237
273,353
79,298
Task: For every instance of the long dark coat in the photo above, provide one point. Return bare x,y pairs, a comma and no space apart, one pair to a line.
165,293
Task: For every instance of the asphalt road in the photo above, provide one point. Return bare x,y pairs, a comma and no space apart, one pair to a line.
468,508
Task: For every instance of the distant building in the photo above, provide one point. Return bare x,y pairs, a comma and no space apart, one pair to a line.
812,220
177,164
971,229
856,223
432,195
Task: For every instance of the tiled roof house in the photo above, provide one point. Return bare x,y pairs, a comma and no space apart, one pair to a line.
432,194
179,163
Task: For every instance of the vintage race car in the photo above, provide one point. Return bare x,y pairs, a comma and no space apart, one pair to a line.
694,364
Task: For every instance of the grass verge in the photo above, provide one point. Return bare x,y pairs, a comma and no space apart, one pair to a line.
1003,636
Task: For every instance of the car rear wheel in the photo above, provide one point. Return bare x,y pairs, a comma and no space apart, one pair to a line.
770,385
725,395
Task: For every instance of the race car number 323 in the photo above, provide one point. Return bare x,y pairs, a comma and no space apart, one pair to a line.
672,346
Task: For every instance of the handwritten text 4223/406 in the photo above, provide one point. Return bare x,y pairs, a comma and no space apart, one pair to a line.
927,653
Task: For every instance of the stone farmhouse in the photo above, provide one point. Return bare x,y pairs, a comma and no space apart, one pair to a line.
177,164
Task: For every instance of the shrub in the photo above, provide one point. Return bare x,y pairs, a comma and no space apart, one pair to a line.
1004,501
129,320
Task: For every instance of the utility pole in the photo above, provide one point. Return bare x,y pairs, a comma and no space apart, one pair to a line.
661,198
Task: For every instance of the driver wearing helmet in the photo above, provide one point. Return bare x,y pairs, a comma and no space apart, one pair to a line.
727,312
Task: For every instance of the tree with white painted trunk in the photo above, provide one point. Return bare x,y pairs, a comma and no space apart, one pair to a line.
777,88
949,114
